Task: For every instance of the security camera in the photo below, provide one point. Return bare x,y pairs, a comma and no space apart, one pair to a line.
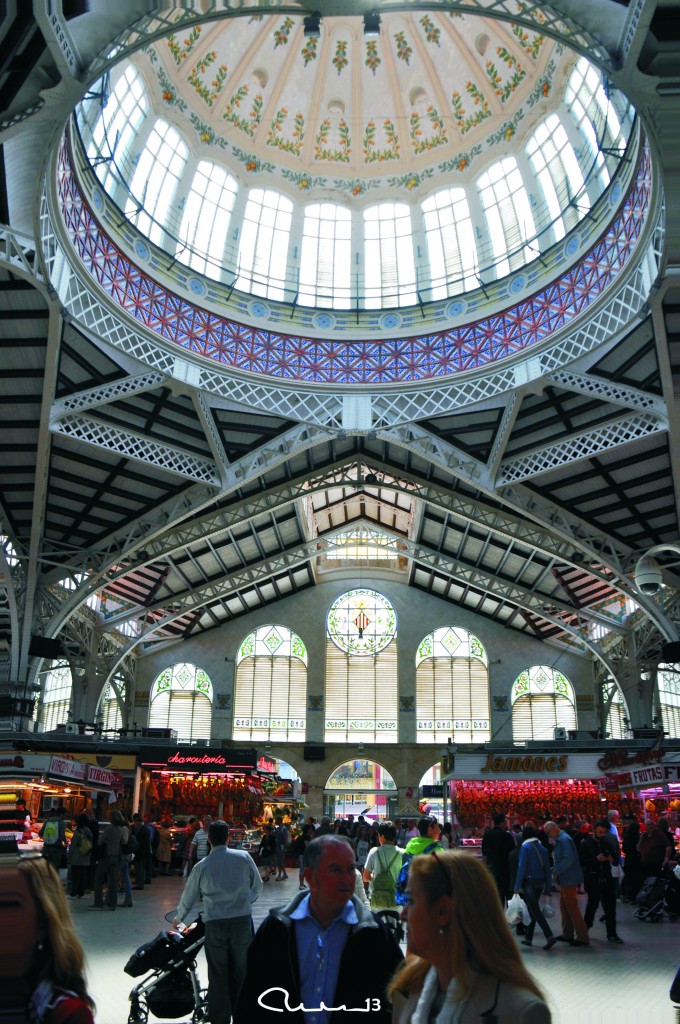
648,578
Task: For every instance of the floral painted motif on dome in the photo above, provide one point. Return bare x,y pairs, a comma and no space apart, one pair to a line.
411,180
308,52
340,60
275,134
324,151
423,143
543,86
252,163
180,51
282,33
502,88
232,112
432,33
304,182
404,51
506,131
467,121
460,162
209,92
169,92
531,42
372,57
206,134
372,153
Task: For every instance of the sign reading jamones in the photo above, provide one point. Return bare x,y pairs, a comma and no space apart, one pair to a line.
197,760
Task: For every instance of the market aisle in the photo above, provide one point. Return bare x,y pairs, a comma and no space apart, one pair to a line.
628,984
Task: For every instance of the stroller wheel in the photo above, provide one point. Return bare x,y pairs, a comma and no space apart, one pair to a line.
139,1013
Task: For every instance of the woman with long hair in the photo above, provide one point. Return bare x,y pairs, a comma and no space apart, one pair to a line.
462,960
57,973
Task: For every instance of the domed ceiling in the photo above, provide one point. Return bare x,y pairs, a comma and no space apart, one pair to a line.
429,95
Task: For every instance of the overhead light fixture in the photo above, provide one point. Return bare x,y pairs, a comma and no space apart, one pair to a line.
371,25
312,26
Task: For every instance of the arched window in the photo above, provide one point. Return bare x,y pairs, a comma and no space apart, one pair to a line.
263,252
115,131
553,159
206,218
326,257
617,717
270,696
361,669
452,688
155,180
112,704
451,246
181,699
390,272
54,706
668,681
594,114
508,213
542,700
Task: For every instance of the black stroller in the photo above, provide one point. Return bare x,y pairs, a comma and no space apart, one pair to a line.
172,987
658,898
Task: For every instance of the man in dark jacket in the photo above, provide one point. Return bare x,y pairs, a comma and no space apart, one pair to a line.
323,946
142,859
497,846
598,854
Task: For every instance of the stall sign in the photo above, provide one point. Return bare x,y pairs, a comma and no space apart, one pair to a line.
63,768
652,775
620,758
432,791
22,766
519,764
197,760
265,764
114,762
104,777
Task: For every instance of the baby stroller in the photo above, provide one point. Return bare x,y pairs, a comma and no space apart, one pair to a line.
172,988
658,898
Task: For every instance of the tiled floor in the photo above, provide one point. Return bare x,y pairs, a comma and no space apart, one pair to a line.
625,984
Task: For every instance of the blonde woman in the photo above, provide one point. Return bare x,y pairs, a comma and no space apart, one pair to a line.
463,961
57,972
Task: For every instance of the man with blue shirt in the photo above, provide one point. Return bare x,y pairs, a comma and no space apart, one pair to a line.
323,952
228,882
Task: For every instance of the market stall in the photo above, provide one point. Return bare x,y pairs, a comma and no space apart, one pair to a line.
179,782
528,786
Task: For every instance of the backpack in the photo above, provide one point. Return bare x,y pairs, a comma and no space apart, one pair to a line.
84,844
400,896
51,832
383,885
132,844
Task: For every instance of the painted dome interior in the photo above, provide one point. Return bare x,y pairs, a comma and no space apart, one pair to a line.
348,171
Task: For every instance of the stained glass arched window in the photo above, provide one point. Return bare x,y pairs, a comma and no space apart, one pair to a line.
542,700
270,693
452,688
181,699
361,669
54,706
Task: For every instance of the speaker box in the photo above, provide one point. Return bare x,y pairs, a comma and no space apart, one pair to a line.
670,653
315,753
44,647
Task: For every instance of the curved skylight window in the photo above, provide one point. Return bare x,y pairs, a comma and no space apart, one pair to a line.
206,219
595,116
451,246
264,243
390,272
554,161
508,213
122,115
325,262
155,181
